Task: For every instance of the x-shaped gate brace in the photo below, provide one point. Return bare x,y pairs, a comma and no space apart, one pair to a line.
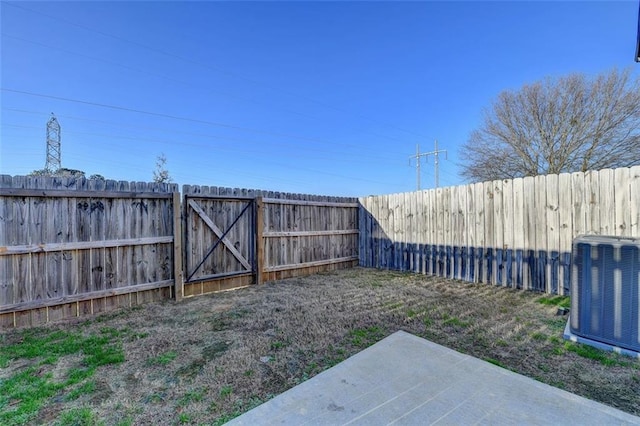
222,236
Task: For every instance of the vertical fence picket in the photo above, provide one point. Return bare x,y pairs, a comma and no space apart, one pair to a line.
433,232
470,217
480,246
507,227
634,201
540,270
552,233
454,242
592,198
607,198
529,232
622,190
498,229
565,232
518,232
490,237
578,204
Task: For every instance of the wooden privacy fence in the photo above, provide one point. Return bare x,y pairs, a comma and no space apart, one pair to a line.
515,233
72,247
236,237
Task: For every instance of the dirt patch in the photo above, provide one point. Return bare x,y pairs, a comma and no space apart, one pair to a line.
208,359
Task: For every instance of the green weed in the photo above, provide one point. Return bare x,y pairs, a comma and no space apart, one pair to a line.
125,422
560,301
538,336
334,356
589,352
495,362
191,396
226,418
556,324
457,322
309,369
376,283
226,391
84,389
427,321
28,389
363,337
277,345
411,313
184,418
155,398
163,359
78,417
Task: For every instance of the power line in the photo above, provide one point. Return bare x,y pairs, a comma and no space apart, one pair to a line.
174,80
332,153
169,116
173,117
211,67
275,163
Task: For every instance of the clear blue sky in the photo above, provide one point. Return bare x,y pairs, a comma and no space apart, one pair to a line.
311,97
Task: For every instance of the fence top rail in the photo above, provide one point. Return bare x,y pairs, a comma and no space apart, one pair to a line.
309,203
53,193
218,197
70,183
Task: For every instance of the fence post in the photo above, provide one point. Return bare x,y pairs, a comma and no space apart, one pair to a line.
177,248
259,239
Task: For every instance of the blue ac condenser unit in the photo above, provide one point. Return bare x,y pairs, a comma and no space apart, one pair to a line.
605,291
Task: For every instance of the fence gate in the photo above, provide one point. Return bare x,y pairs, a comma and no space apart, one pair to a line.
219,243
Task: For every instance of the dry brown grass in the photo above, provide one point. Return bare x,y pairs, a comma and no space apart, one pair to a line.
210,358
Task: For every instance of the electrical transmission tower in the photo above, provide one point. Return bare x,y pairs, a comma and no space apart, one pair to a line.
54,162
419,155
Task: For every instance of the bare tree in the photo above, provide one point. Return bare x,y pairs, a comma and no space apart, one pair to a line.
558,125
161,174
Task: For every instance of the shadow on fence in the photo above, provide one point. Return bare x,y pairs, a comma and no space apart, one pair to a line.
545,271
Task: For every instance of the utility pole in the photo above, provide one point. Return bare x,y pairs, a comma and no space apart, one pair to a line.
435,153
53,163
418,155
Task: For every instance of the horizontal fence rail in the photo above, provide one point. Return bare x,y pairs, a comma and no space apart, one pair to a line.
516,233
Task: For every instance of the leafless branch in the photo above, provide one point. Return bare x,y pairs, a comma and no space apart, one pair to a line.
558,125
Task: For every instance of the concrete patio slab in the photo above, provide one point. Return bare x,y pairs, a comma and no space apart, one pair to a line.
404,379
